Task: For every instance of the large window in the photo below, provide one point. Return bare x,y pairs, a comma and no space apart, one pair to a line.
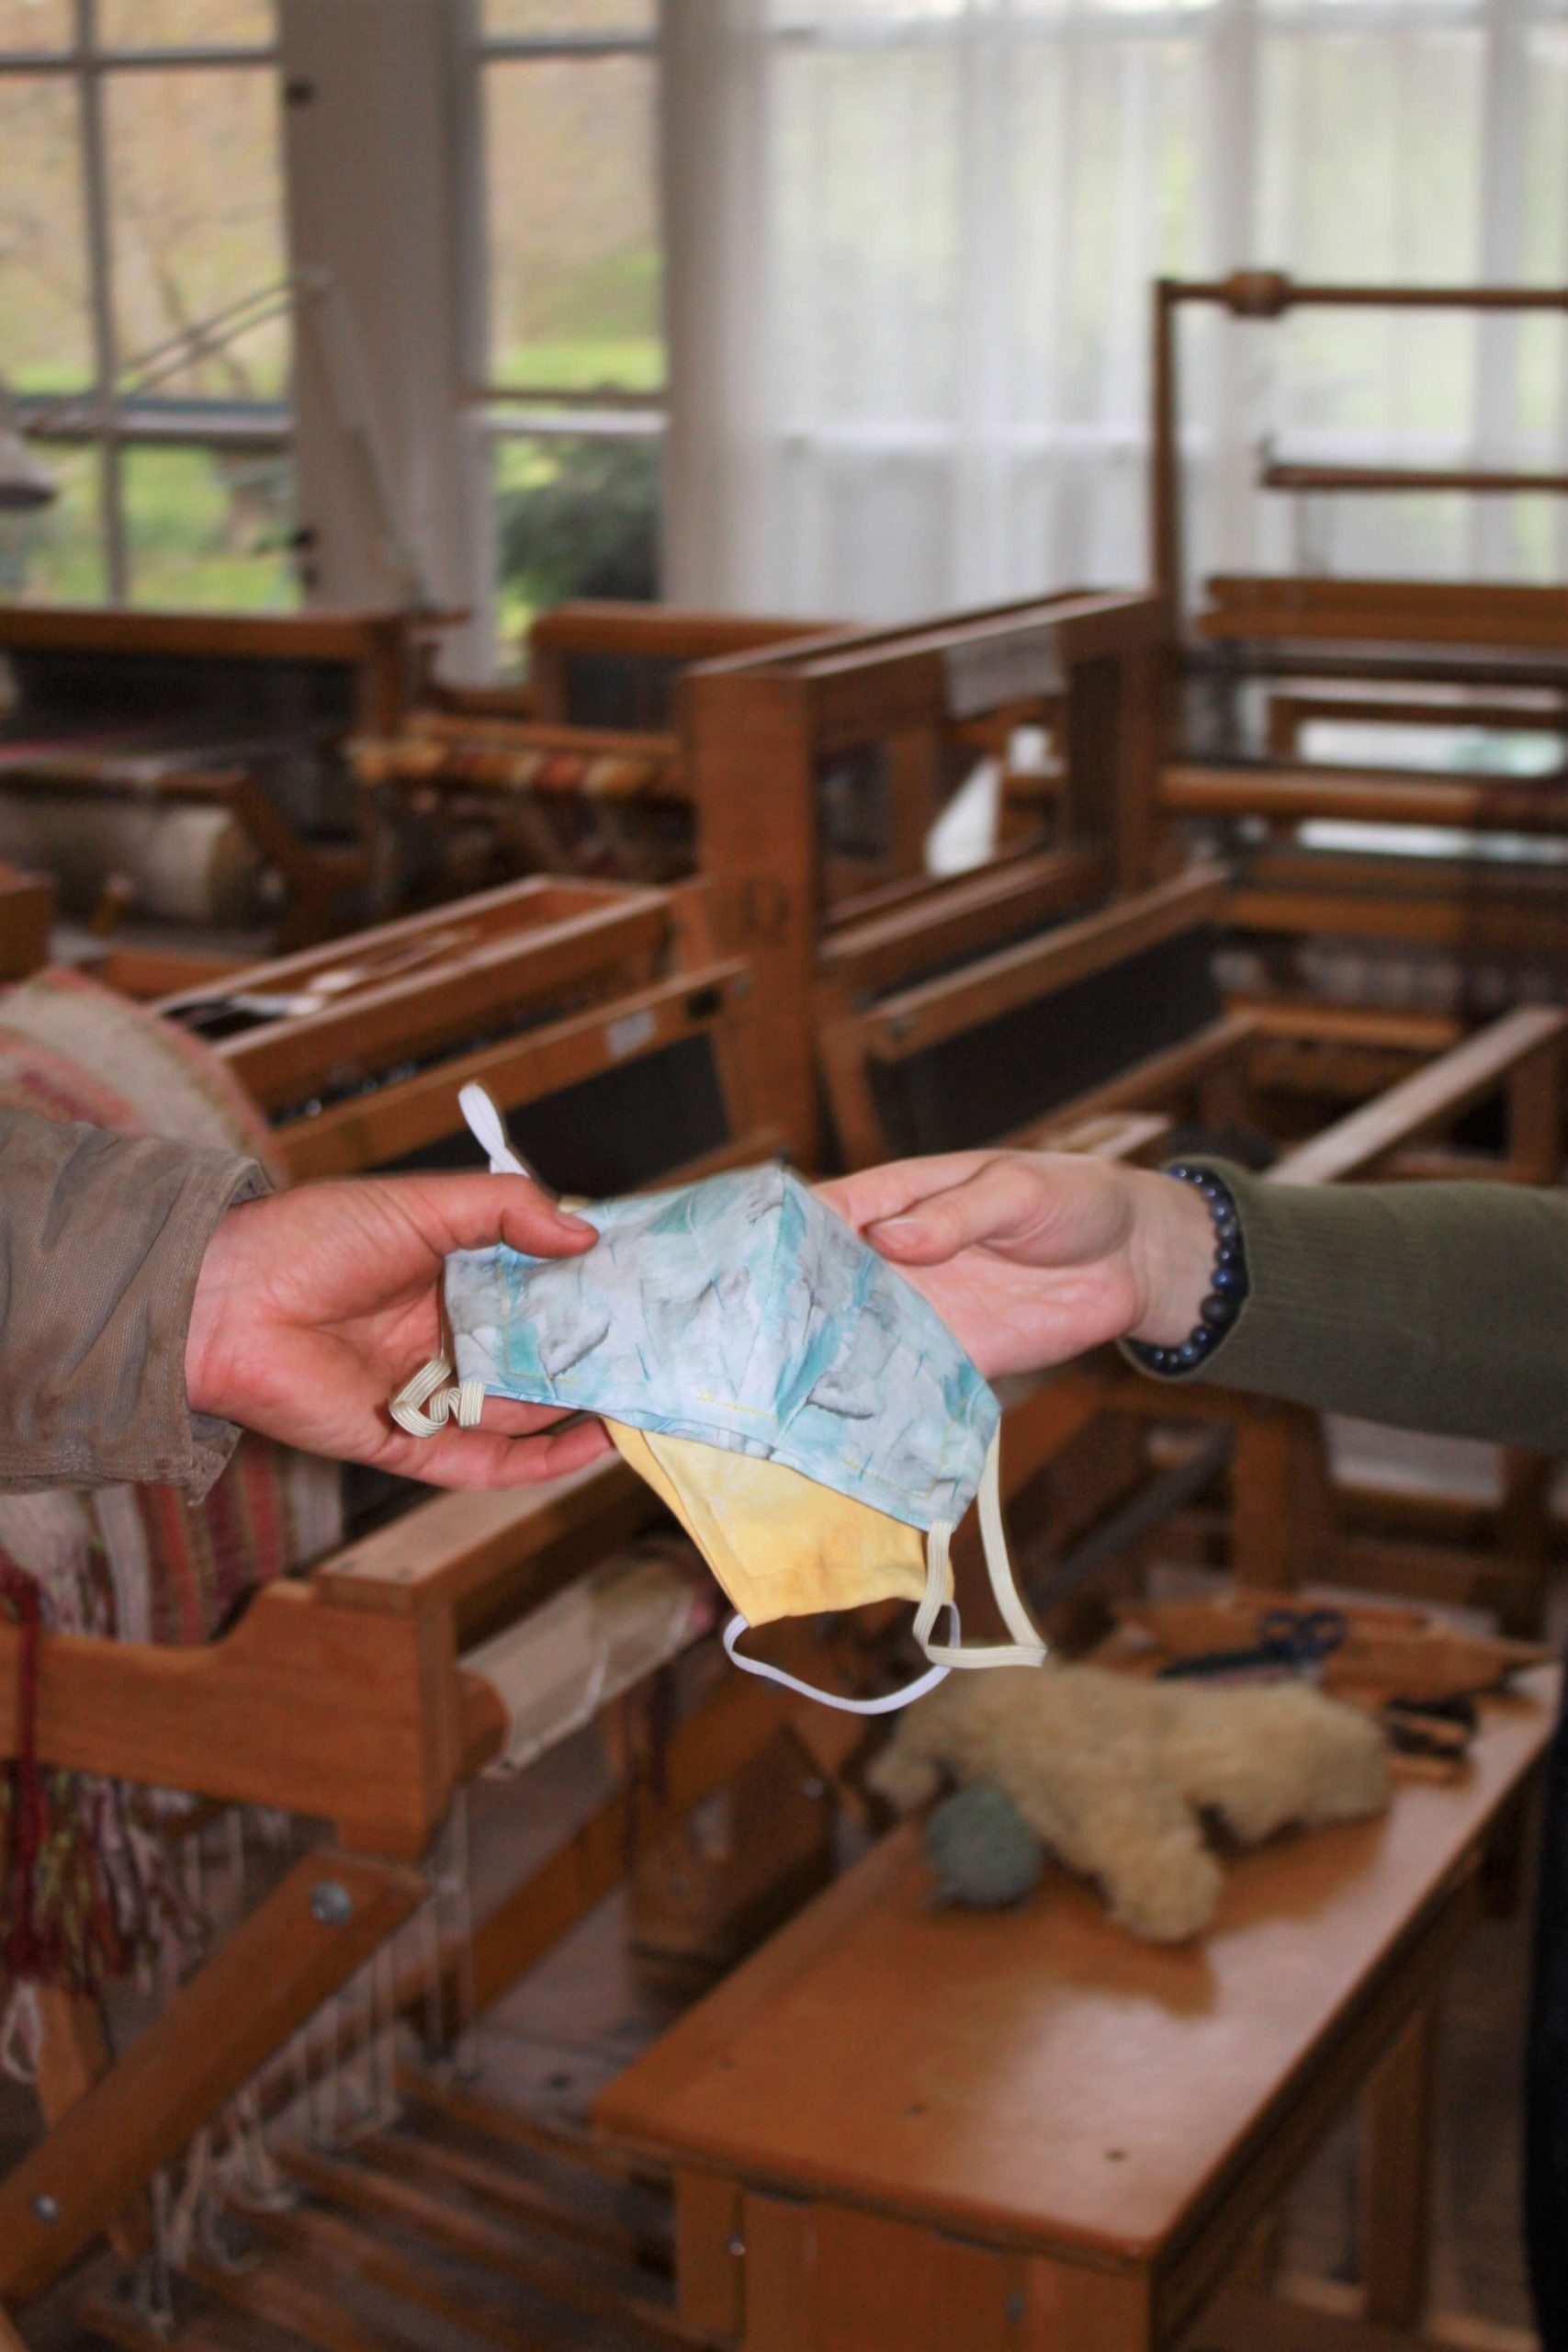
573,338
141,200
963,203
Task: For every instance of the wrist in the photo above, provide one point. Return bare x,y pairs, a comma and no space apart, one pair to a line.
1172,1252
204,1333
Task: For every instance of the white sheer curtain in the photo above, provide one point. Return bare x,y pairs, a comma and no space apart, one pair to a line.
911,243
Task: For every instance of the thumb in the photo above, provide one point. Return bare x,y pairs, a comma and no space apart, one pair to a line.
990,1208
473,1212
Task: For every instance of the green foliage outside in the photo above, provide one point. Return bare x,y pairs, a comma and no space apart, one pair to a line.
576,518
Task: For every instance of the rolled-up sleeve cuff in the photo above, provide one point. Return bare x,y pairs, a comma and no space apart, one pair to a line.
105,1237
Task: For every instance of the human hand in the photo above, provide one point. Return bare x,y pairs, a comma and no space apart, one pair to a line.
313,1305
1031,1258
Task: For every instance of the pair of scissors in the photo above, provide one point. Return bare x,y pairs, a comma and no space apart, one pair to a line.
1295,1638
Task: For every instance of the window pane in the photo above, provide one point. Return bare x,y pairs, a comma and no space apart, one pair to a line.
56,556
186,24
574,263
195,197
867,174
36,24
210,527
575,517
554,17
47,343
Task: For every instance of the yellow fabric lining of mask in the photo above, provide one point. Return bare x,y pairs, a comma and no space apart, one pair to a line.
780,1545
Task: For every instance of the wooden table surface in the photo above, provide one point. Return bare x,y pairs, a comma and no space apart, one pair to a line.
1042,2078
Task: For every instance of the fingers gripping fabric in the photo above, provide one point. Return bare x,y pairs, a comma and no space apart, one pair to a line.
800,1406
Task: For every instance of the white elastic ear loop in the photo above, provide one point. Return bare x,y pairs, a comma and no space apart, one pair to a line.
489,1130
1026,1648
462,1402
932,1599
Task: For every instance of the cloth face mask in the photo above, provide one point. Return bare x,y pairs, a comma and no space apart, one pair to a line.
801,1408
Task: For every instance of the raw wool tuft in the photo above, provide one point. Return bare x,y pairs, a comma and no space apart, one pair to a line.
1115,1775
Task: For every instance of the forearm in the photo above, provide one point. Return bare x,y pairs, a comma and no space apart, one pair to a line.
101,1239
1434,1306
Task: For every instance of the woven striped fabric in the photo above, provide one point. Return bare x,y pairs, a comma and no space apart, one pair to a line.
135,1562
494,763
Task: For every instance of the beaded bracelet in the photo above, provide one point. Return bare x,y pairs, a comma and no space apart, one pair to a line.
1227,1285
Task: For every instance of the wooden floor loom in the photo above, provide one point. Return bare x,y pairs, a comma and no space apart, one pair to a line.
1433,886
581,771
353,1683
182,766
1117,1013
800,770
598,1016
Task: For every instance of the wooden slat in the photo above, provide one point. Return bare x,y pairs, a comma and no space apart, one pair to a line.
439,1002
963,918
269,636
266,1980
280,2298
1397,2177
922,1016
1430,1099
443,1551
560,2141
709,2280
1469,920
302,1706
1398,611
580,2286
329,2241
1300,474
431,2163
366,1130
1363,796
1350,1024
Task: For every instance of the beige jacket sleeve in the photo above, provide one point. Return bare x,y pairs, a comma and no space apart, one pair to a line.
101,1238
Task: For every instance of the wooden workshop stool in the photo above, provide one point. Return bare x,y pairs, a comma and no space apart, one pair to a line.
900,2128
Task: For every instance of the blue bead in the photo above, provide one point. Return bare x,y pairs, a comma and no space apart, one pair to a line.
1189,1353
1182,1174
1227,1228
1218,1311
1228,1277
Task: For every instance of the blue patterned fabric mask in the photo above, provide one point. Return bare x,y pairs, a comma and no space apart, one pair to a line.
741,1313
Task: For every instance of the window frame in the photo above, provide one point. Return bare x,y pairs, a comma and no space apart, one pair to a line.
98,415
507,411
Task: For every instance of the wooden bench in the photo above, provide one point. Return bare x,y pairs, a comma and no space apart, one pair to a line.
911,2129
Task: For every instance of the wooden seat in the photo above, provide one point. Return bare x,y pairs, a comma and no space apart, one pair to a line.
900,2128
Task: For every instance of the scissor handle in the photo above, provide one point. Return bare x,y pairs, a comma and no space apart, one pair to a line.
1304,1633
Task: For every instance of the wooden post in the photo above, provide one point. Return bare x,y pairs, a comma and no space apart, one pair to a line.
306,1939
1397,2177
73,2056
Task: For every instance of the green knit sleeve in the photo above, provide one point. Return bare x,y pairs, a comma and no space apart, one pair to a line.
1434,1306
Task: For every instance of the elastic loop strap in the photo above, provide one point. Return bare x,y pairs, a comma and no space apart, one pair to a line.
889,1703
463,1402
489,1130
1026,1648
932,1601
